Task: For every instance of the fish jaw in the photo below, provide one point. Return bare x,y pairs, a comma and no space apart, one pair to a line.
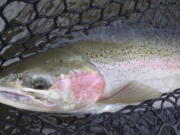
19,97
68,93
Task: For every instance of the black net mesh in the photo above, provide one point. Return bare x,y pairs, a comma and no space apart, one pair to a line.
28,26
142,119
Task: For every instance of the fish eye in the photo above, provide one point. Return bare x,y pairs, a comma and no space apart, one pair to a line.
40,83
36,83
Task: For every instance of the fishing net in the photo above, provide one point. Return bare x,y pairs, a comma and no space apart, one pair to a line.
29,26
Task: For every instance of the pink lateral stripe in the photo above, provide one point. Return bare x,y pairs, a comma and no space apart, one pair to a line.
159,63
155,63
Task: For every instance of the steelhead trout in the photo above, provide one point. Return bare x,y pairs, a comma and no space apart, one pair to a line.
91,77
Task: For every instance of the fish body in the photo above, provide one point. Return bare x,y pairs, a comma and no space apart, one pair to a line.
91,77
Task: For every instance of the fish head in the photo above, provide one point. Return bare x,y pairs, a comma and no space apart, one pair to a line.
63,89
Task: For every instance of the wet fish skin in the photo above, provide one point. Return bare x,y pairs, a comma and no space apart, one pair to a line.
113,73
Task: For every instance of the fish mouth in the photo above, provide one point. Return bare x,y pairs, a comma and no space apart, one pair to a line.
27,100
13,96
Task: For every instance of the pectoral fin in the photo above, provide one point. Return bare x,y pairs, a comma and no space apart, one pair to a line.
132,93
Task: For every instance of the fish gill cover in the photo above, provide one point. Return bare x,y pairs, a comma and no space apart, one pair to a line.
29,26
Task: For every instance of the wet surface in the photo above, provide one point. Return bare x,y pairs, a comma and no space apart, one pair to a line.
29,26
